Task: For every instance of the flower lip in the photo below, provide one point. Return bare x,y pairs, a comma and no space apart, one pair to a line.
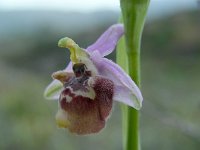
84,107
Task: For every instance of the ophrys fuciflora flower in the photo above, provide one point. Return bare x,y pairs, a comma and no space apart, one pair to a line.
90,83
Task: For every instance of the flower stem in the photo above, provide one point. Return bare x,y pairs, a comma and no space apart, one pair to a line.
133,13
122,60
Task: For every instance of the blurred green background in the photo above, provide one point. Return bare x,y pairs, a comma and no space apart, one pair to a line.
170,60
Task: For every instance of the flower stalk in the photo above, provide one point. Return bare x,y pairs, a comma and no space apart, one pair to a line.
133,14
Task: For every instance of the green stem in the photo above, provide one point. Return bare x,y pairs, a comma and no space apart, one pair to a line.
132,142
122,60
133,13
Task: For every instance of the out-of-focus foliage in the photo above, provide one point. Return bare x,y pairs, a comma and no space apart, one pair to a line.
170,81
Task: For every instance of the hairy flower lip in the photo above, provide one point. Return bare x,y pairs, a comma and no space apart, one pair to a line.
79,110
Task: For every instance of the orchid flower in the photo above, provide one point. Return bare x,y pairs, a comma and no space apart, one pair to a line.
90,83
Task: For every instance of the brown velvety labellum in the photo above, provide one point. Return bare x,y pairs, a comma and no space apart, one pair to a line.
86,115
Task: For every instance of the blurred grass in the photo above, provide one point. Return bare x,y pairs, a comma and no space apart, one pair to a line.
170,85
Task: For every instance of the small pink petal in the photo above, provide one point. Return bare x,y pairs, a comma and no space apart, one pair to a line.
108,40
69,67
